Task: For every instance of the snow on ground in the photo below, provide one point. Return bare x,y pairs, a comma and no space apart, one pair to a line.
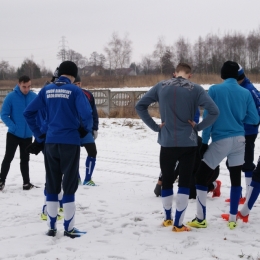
122,216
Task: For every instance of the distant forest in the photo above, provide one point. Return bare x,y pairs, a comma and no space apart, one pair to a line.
206,56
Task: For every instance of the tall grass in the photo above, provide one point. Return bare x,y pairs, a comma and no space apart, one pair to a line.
129,81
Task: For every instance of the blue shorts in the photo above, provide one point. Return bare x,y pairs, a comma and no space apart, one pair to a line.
88,139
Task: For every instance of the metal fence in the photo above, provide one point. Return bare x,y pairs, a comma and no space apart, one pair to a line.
3,93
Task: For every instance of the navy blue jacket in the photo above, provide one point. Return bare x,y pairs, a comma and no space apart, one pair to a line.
91,100
66,106
251,129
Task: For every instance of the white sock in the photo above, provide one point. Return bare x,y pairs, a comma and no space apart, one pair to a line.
201,204
69,215
181,206
248,182
52,212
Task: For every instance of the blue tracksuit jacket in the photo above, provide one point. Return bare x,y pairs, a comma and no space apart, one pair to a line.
66,106
236,107
252,129
12,112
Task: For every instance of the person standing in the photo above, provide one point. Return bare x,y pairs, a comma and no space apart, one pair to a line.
236,107
89,140
178,100
19,133
66,106
251,132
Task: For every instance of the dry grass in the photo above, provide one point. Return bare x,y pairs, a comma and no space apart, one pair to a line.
129,81
123,112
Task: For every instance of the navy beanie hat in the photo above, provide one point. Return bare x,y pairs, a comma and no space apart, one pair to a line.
241,73
229,70
68,68
77,79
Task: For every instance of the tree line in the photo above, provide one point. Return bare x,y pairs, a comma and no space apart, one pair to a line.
206,56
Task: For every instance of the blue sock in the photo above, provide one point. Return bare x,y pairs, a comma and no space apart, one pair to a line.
253,193
235,193
182,200
90,165
167,197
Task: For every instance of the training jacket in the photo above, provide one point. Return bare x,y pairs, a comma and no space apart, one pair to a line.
91,100
178,100
251,129
66,106
12,112
236,107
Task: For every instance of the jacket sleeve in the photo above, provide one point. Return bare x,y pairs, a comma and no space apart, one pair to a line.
31,112
6,112
94,114
142,108
208,104
84,111
256,96
252,116
197,116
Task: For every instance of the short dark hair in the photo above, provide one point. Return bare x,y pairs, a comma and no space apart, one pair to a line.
183,67
24,79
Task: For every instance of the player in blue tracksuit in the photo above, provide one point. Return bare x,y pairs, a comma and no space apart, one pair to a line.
69,117
251,131
89,140
36,148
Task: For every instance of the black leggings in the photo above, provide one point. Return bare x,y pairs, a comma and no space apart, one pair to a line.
12,142
204,174
91,149
168,158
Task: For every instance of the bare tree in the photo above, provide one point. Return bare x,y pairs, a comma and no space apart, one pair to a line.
253,48
183,51
4,69
147,64
160,49
118,52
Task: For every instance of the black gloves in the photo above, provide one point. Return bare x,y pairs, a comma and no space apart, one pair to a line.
35,147
203,149
82,132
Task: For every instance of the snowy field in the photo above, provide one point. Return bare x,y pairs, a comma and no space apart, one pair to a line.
122,216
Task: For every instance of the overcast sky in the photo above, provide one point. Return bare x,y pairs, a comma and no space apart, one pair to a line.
34,28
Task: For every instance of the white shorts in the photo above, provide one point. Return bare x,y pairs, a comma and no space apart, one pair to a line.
233,148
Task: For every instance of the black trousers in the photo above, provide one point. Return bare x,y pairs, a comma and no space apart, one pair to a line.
249,153
62,167
168,158
12,142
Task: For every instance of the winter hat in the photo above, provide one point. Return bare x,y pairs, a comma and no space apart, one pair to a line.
241,73
229,70
56,72
77,79
68,68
